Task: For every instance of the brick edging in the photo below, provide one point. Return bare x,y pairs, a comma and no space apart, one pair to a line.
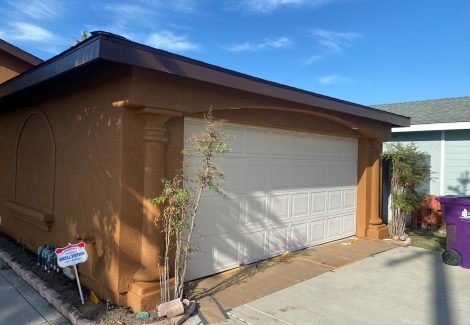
51,296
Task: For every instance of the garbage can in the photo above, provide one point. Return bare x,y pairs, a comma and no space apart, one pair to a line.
456,212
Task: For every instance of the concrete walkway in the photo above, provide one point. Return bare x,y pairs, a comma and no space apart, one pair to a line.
21,305
405,285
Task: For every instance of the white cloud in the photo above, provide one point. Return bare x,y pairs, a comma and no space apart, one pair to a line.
182,5
267,6
166,40
334,79
29,32
314,58
335,41
38,9
278,43
126,9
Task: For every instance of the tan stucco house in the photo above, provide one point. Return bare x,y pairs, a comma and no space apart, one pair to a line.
86,137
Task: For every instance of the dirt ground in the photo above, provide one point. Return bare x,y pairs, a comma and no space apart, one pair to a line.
69,291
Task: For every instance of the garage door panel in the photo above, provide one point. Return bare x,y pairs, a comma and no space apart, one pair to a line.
216,215
333,229
319,147
201,263
349,174
349,224
319,202
336,147
334,200
235,140
253,246
255,177
255,209
334,174
302,175
233,176
302,145
277,241
226,248
286,190
317,232
298,236
300,205
255,141
318,172
279,176
280,144
349,201
279,208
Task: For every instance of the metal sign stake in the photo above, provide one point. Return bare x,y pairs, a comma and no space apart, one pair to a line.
72,254
78,283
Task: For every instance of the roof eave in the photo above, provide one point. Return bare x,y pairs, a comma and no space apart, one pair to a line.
107,47
150,58
19,53
65,62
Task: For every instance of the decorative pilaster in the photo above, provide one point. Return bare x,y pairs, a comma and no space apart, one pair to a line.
144,290
154,137
376,228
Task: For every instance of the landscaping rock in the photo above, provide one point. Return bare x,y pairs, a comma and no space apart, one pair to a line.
189,308
404,237
171,308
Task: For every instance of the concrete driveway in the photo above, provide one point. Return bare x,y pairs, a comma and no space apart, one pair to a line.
405,285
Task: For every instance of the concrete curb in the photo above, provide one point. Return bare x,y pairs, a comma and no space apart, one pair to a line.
51,296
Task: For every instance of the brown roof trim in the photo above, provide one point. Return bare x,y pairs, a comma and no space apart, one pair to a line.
110,47
19,53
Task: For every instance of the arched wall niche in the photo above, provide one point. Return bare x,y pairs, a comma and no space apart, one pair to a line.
35,171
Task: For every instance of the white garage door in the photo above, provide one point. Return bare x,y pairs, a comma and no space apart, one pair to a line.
287,191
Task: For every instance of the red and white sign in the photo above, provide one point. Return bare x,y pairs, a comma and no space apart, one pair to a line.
71,254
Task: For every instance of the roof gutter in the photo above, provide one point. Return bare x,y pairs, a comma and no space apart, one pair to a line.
109,47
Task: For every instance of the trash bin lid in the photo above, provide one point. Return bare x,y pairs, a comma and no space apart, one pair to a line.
454,199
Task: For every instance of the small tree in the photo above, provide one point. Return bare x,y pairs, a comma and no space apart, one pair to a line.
180,200
409,172
83,37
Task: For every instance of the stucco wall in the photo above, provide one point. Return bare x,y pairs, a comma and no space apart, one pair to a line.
11,66
63,156
193,97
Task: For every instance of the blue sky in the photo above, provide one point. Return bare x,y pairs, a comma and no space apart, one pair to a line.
365,51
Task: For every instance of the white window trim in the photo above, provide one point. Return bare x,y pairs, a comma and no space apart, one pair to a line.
442,167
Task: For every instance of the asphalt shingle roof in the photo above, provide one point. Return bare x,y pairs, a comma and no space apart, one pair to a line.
446,110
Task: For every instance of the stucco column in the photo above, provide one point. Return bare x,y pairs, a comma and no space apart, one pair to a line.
363,188
375,183
376,228
154,137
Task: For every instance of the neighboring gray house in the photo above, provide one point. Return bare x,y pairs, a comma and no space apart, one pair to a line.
441,128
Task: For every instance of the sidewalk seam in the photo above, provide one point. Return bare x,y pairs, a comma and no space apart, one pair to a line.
262,312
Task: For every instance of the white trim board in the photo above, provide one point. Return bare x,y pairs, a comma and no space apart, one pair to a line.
433,127
443,162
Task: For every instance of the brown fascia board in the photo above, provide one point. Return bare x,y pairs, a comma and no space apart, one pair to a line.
19,53
110,47
73,58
